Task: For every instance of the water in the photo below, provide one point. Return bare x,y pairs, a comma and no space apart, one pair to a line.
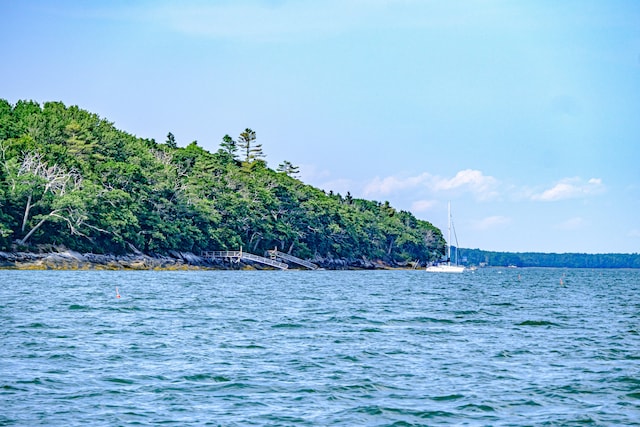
508,347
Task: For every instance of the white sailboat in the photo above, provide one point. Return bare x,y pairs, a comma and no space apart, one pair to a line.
447,268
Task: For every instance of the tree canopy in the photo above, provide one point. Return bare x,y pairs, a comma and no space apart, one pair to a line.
534,259
70,178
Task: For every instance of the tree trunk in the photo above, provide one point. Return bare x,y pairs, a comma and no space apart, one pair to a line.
33,230
390,246
255,246
26,213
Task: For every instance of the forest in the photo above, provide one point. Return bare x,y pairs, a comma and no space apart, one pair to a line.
536,259
70,179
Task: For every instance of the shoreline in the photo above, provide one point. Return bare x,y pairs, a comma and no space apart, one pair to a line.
176,261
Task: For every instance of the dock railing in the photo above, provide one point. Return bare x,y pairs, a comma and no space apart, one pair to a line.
244,255
275,253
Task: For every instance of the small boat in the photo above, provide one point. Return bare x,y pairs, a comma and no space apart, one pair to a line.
447,267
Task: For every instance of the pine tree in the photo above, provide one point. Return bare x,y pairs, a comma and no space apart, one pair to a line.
288,168
251,150
171,140
229,145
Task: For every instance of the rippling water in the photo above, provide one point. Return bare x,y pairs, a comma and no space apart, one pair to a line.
508,347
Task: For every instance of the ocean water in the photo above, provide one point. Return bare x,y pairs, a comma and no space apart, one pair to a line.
510,347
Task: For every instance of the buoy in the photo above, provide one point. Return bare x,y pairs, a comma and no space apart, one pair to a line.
117,293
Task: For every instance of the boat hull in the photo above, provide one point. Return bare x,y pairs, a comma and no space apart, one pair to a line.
445,269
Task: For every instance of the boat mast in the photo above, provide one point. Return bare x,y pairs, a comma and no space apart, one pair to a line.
449,238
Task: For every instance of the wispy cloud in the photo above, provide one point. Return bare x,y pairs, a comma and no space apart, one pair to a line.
341,186
313,173
273,20
574,223
483,187
635,233
423,205
570,188
267,20
491,222
391,184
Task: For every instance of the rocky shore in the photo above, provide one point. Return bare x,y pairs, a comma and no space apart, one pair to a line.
71,260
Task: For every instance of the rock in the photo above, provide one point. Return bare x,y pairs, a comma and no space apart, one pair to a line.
63,259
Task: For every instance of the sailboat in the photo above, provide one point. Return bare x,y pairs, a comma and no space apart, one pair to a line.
447,268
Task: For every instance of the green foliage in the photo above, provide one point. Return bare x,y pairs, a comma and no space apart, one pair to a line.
229,146
68,177
171,141
288,168
566,260
252,150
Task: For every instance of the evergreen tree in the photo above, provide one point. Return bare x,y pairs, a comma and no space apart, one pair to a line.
246,142
288,168
171,141
229,146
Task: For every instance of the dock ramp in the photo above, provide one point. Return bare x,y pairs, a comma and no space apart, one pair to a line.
238,255
275,253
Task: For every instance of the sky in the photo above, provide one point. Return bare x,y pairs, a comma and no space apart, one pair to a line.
525,115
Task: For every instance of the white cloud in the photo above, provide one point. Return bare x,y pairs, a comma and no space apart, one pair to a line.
422,205
483,187
392,184
570,188
491,222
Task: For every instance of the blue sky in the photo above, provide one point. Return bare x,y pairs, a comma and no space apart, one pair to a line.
525,114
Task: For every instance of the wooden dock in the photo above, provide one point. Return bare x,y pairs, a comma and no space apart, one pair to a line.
238,255
276,254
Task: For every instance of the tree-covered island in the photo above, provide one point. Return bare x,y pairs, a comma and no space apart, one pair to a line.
70,179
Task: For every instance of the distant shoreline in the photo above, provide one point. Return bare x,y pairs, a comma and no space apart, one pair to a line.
560,260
